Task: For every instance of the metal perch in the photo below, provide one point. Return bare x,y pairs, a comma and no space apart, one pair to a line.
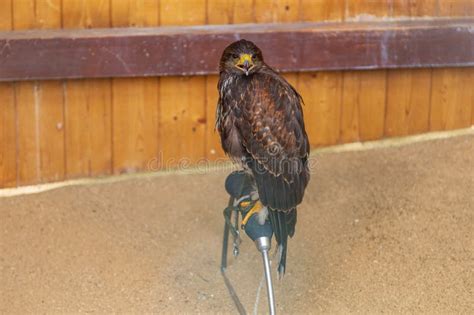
239,186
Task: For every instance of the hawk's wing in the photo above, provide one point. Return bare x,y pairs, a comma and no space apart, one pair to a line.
272,132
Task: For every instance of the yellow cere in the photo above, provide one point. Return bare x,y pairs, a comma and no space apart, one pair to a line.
245,57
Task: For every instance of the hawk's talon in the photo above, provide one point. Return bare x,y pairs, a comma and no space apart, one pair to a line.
235,251
255,207
237,240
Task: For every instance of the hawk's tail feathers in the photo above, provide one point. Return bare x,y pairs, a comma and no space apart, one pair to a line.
283,225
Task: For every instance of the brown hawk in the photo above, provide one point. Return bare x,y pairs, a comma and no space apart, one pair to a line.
260,121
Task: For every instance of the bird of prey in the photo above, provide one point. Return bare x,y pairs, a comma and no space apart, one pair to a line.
260,121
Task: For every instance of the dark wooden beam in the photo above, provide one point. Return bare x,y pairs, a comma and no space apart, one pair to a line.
131,52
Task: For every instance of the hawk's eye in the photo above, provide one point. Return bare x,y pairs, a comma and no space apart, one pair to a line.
235,56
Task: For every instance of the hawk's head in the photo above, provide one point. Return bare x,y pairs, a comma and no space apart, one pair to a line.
241,57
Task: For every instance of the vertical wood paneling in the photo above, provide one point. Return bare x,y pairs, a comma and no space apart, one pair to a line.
321,91
135,104
86,13
182,99
219,12
7,136
135,13
408,90
322,10
364,92
213,145
135,124
408,102
230,12
27,132
270,11
40,109
87,102
36,14
456,7
50,129
242,11
40,131
7,115
6,19
28,164
413,8
363,105
452,102
352,101
88,127
357,9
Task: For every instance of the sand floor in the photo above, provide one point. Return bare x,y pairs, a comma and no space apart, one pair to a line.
385,230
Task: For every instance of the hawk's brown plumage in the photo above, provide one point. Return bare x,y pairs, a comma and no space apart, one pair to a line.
260,121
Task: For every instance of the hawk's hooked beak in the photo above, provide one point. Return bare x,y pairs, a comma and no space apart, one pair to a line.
245,63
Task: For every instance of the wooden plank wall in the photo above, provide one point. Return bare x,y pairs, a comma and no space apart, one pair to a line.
56,130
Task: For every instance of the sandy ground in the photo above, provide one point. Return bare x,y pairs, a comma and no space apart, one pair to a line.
380,231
